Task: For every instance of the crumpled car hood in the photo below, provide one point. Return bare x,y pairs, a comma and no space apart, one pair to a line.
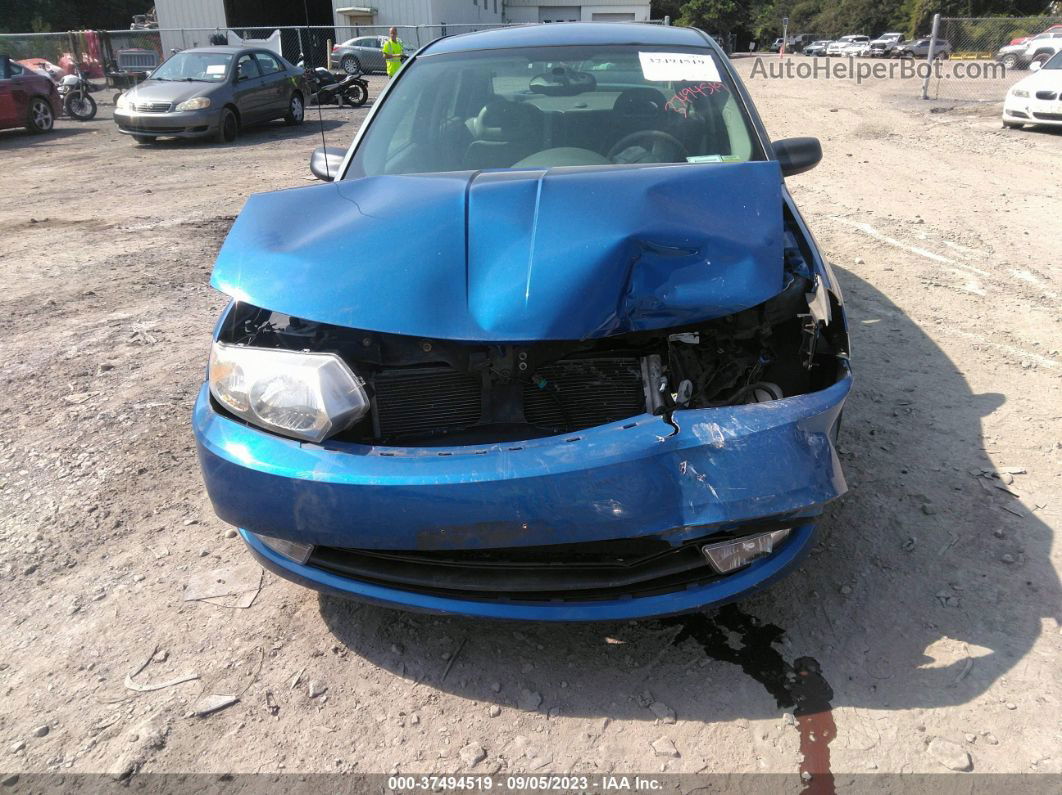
509,256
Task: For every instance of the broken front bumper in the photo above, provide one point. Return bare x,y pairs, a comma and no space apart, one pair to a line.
723,470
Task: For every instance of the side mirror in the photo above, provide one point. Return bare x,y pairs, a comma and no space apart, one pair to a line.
1035,66
797,155
325,162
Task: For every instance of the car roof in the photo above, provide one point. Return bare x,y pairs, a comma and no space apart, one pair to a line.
567,33
223,49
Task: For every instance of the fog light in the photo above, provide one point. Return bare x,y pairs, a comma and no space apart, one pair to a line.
729,555
298,553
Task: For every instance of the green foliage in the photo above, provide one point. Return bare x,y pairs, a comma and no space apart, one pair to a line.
39,16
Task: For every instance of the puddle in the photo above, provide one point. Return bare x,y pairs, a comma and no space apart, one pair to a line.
736,637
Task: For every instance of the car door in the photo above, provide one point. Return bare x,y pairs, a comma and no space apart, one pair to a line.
276,84
372,47
8,105
249,89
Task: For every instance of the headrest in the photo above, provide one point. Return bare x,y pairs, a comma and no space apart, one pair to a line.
502,120
642,101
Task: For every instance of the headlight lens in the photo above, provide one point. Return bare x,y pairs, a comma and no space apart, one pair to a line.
197,103
307,396
1019,92
123,101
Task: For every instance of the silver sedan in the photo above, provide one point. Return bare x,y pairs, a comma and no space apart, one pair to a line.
363,54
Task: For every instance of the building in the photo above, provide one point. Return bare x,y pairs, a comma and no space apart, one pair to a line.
418,12
202,17
607,11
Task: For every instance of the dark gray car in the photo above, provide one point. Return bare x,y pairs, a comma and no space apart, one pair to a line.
212,91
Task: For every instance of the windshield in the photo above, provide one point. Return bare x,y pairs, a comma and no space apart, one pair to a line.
548,107
208,67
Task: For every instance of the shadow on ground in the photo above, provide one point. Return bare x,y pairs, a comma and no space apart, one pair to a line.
907,601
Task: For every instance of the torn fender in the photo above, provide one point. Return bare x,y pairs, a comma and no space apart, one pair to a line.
524,255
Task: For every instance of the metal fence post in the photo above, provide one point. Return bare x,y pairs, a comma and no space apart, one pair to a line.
930,55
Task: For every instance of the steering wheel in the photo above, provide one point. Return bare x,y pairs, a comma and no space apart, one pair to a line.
659,142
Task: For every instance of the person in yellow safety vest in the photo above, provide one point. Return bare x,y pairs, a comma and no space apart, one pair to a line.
392,50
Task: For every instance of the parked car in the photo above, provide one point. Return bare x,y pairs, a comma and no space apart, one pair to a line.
837,47
27,98
1038,49
1036,99
883,45
817,47
363,54
1025,39
859,47
802,40
551,406
212,91
919,48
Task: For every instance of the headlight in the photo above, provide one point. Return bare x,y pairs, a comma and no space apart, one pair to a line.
304,395
198,103
1019,92
123,101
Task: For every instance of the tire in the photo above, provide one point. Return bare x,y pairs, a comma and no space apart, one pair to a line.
296,109
350,64
80,106
357,95
144,139
1009,61
39,116
228,127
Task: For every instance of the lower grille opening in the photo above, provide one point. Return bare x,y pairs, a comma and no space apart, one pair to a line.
578,572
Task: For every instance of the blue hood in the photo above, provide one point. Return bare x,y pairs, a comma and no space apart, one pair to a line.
510,256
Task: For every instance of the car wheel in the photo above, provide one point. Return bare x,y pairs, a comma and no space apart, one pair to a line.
296,110
144,139
350,64
39,117
228,128
1009,61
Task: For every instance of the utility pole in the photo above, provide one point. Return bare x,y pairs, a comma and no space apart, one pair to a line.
785,36
930,55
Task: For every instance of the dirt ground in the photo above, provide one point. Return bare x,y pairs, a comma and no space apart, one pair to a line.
922,634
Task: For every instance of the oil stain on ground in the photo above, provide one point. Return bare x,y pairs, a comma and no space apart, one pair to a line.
799,685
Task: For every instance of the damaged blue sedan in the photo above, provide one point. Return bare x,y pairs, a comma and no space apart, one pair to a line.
551,342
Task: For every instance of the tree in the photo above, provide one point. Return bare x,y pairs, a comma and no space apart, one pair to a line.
715,16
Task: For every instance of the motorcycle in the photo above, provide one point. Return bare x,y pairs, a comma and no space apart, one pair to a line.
326,87
74,91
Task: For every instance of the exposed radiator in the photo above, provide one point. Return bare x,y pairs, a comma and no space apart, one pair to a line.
581,393
425,400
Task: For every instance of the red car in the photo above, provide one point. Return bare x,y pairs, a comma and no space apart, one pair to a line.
27,99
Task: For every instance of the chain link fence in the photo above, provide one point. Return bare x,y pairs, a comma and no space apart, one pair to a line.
979,59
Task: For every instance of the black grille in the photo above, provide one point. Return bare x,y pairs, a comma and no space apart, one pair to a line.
1046,94
572,394
1048,116
578,572
425,400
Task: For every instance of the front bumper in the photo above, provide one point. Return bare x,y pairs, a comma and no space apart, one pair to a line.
1029,110
183,124
722,470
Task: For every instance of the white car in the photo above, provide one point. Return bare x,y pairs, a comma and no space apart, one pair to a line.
883,45
1036,99
838,47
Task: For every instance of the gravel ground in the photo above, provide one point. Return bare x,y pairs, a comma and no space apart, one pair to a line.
921,635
